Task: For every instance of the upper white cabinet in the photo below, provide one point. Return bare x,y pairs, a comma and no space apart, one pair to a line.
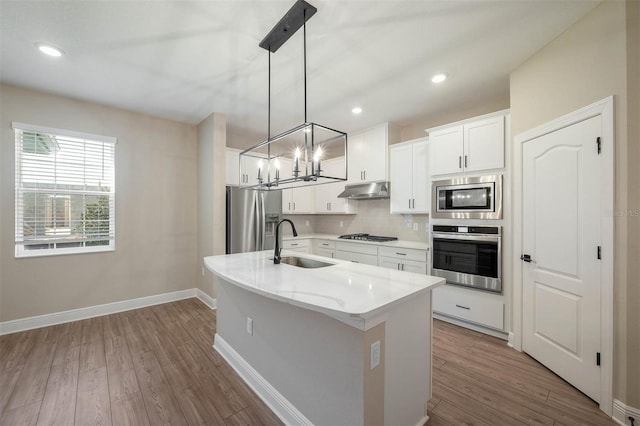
326,195
249,168
471,146
233,167
298,200
367,151
410,191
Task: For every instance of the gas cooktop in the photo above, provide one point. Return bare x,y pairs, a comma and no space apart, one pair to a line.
367,237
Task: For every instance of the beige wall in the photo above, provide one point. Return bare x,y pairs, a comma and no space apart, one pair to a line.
589,62
211,194
156,225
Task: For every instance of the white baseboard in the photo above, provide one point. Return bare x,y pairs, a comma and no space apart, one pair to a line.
471,326
511,339
29,323
622,412
282,408
206,299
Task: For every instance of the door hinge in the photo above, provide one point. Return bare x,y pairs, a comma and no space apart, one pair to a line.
597,358
599,252
599,144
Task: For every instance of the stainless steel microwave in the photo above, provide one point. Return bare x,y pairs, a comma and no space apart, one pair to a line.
477,197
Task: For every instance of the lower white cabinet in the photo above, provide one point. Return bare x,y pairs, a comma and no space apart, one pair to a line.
324,248
301,245
469,305
402,259
358,253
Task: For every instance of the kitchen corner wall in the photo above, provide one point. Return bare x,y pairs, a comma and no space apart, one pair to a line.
212,141
156,217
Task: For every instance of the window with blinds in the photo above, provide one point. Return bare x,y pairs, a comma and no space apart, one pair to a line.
65,191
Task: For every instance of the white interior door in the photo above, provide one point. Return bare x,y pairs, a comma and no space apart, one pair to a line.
561,232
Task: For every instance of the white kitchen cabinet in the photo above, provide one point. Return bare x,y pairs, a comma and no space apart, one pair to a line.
298,200
409,174
233,167
295,199
368,158
299,245
324,248
326,195
358,253
243,173
469,305
402,259
472,146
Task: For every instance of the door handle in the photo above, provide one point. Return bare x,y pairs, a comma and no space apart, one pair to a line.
465,161
460,162
526,258
463,307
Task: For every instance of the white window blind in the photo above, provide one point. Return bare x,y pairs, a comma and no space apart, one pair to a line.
65,191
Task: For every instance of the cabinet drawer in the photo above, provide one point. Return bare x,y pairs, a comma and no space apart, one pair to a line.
469,305
296,245
325,244
357,248
402,264
403,253
367,259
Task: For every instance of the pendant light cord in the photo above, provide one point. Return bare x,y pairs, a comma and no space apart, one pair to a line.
304,31
269,98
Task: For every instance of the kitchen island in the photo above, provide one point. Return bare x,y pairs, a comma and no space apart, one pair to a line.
341,344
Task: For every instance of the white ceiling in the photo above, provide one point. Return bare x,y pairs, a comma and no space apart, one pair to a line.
186,59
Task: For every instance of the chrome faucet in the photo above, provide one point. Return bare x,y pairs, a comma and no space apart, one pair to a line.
277,250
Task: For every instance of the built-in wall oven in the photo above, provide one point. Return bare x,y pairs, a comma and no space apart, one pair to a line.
478,197
468,256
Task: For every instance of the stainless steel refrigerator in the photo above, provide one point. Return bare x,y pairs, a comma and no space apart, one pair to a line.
252,217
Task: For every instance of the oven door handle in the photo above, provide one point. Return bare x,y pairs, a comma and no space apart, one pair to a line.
468,237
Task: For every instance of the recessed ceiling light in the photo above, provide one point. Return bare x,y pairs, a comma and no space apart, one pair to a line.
439,78
356,110
50,50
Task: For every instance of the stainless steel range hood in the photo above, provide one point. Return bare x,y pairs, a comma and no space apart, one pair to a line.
366,191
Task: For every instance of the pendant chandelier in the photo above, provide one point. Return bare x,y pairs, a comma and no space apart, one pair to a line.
294,157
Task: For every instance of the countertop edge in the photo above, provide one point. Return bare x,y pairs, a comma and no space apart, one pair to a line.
362,321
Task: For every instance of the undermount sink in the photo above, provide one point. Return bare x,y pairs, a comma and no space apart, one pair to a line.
302,262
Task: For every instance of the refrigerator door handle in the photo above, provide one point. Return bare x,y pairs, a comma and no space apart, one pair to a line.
263,220
256,201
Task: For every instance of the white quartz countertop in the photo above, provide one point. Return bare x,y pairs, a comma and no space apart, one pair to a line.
350,292
418,245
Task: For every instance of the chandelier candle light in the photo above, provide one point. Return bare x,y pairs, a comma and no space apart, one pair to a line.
294,156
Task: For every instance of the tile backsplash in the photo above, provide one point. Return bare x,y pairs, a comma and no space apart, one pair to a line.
373,218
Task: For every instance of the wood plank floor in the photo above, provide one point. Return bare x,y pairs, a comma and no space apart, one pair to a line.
156,365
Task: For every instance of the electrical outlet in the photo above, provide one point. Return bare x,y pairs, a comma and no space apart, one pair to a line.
341,224
375,355
415,226
249,326
203,271
306,222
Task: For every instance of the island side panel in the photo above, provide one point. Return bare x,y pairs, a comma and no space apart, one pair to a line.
314,361
374,378
408,361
